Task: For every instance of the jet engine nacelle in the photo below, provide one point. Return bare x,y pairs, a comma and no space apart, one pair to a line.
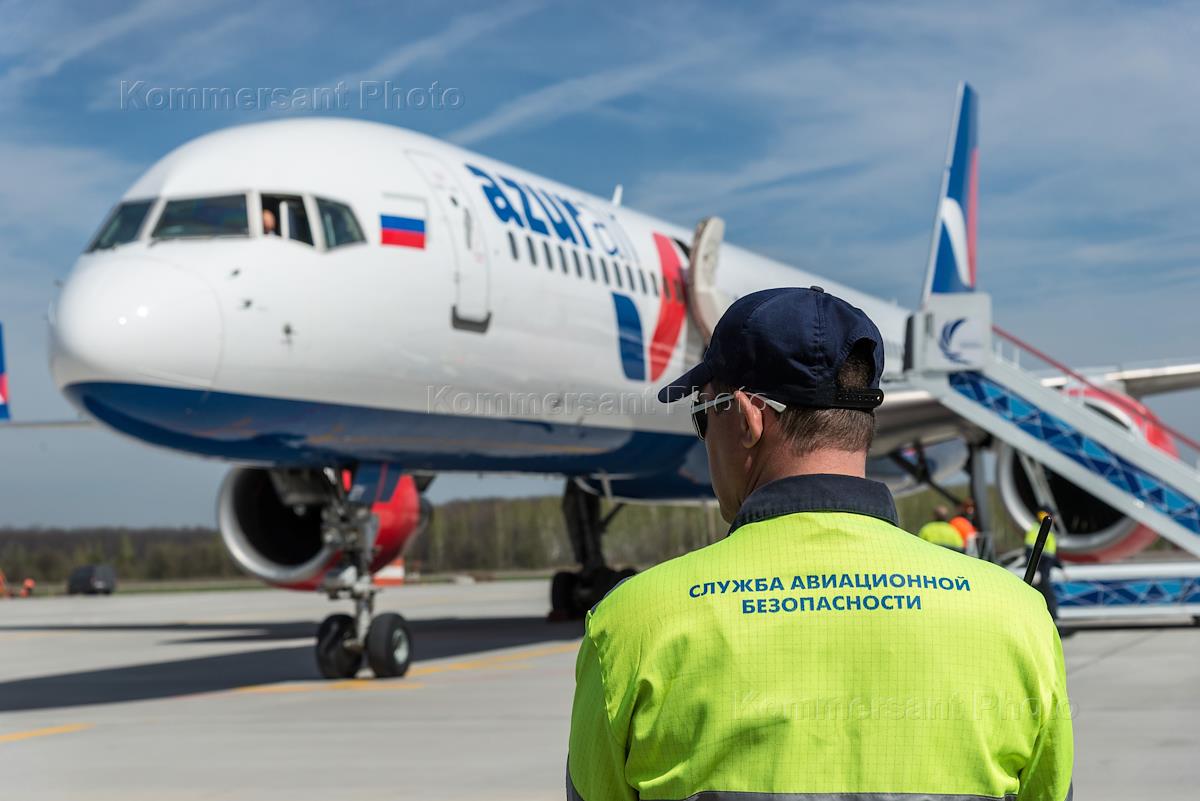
1096,531
282,542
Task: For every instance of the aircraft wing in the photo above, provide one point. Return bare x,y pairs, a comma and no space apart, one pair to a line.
1139,381
77,423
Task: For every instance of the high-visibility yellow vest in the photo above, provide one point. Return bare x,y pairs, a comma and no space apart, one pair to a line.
1051,546
939,532
821,652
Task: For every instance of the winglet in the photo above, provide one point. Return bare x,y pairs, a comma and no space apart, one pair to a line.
3,380
952,254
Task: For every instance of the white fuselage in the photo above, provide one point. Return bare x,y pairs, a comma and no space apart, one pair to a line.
446,353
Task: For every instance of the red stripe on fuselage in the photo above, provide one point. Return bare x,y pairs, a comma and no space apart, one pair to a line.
671,310
408,239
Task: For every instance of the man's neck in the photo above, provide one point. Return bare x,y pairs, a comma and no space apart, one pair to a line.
842,463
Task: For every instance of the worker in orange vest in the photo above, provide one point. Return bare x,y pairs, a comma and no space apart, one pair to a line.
964,523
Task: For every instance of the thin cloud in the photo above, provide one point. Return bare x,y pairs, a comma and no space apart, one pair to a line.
201,52
51,190
460,32
573,96
1077,148
68,44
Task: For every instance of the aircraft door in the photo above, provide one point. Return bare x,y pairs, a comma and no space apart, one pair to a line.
472,307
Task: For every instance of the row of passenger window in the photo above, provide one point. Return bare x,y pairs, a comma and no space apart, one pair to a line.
599,269
285,216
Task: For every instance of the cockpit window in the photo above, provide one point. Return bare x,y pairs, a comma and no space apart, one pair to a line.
203,216
338,223
122,225
284,216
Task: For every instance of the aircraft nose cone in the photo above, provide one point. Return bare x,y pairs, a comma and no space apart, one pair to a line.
135,320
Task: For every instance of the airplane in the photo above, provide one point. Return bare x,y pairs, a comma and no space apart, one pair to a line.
343,309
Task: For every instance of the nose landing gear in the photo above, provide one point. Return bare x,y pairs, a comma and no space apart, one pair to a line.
387,646
343,642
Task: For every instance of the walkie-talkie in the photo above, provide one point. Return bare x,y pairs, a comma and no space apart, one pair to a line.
1040,543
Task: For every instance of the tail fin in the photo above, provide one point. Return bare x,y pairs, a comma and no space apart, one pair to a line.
952,253
3,380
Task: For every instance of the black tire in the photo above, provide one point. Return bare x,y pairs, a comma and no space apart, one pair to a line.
334,659
603,583
389,646
563,591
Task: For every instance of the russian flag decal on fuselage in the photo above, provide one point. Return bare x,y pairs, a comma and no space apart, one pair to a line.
407,232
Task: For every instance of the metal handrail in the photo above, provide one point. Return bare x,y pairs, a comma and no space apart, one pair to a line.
1121,400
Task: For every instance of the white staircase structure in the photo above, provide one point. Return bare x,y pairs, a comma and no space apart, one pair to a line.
950,354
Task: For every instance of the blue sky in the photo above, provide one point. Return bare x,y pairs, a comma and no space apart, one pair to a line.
817,130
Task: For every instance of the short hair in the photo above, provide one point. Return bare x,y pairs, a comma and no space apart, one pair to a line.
850,430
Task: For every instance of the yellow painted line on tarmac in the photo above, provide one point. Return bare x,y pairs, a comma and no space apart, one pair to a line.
329,686
510,661
371,685
18,736
493,661
28,635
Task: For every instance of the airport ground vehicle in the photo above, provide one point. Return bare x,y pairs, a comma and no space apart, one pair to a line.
92,580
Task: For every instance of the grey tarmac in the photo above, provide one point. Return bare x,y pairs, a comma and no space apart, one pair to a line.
215,696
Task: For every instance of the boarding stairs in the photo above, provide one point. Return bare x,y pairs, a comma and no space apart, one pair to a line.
952,352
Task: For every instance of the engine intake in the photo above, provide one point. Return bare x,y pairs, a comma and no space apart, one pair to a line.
1095,531
271,523
277,542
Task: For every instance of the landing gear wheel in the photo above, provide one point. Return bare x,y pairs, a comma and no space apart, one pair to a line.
389,646
335,659
563,590
573,594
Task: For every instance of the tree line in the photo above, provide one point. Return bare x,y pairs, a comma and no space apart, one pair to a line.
528,533
487,534
144,554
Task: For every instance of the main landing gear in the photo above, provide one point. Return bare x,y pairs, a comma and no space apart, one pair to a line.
573,593
344,641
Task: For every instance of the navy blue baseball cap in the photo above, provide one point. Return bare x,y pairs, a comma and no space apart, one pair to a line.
788,345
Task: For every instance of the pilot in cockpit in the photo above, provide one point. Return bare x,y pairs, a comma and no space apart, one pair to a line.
270,227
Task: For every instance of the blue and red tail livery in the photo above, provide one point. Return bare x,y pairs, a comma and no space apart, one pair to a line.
3,380
408,232
952,255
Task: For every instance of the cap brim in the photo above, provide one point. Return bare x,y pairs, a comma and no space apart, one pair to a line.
686,384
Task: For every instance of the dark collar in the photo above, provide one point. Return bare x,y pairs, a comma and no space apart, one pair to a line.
817,493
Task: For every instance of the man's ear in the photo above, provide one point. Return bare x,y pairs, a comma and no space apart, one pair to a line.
750,421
